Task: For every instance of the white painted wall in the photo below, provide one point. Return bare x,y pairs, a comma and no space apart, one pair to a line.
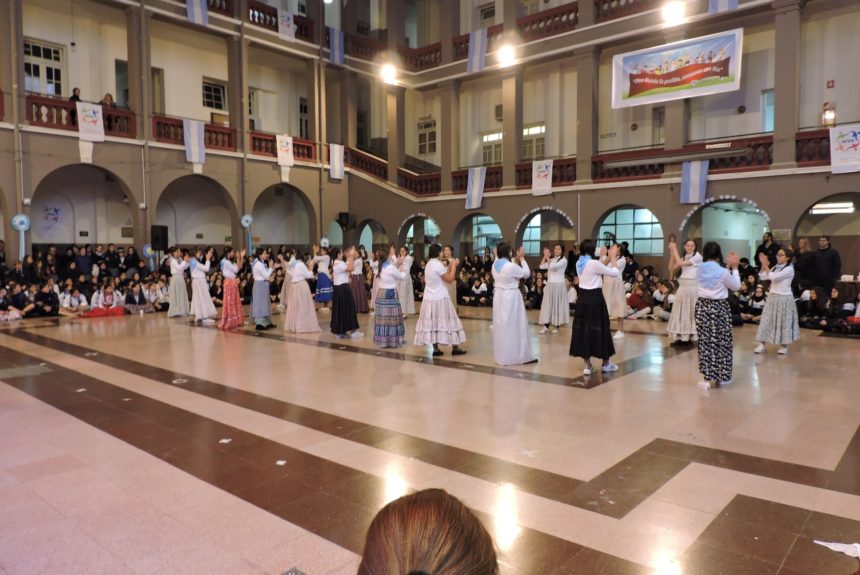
279,83
79,199
281,218
378,110
733,230
478,100
830,51
614,126
549,97
187,56
193,205
717,116
420,105
98,32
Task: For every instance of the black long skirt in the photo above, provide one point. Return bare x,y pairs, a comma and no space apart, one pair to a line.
343,317
591,335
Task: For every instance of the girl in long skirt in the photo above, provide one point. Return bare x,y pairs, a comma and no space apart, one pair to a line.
286,262
682,322
325,290
511,343
405,290
554,309
344,321
178,291
356,283
615,294
779,323
591,335
201,301
388,330
301,316
261,305
232,315
438,322
714,316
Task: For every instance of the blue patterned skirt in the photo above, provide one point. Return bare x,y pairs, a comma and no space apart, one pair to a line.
388,330
325,290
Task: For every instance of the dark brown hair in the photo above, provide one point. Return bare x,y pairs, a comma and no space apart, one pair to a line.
428,532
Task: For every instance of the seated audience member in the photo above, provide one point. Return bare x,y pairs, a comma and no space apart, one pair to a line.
73,303
46,301
534,297
755,305
664,299
217,292
157,296
105,303
429,533
479,296
135,301
7,312
638,304
572,294
20,301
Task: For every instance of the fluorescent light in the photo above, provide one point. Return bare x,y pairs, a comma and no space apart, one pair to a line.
674,13
833,208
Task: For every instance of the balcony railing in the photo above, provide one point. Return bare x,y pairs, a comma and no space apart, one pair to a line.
169,131
813,148
549,22
360,46
366,163
422,58
461,43
265,16
611,9
224,7
741,155
639,164
61,115
263,144
563,173
419,184
492,180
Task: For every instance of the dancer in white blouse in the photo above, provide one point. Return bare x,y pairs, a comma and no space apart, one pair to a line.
344,321
388,330
301,316
178,290
779,323
405,291
438,322
714,316
682,321
356,282
325,289
232,315
591,335
511,342
613,291
554,309
261,305
201,302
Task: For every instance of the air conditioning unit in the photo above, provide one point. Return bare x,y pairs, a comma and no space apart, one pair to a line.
499,112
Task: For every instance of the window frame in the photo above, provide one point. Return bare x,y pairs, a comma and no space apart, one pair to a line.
215,84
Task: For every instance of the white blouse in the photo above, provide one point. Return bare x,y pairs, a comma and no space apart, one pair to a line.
592,276
198,270
300,272
358,270
322,264
177,267
229,269
555,270
690,272
340,275
509,276
389,275
780,279
434,285
260,271
728,281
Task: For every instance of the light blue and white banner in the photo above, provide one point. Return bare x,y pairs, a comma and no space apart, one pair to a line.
694,182
197,12
195,142
335,46
477,51
335,161
86,150
845,149
284,144
286,25
541,177
475,188
717,6
91,126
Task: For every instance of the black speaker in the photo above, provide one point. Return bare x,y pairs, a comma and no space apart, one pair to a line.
158,235
343,219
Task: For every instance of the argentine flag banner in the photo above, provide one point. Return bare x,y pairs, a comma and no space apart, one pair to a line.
475,188
477,51
694,182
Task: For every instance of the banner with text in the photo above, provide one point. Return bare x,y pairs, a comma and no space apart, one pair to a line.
845,149
685,69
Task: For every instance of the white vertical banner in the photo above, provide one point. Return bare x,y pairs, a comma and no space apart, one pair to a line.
335,168
477,51
197,12
335,46
285,174
845,149
285,150
286,25
718,6
91,126
475,187
195,144
85,147
694,182
541,177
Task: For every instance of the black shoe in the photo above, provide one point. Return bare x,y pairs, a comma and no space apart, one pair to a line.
530,362
260,328
458,351
271,326
438,352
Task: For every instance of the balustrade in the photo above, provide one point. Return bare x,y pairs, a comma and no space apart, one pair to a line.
368,164
563,173
419,184
422,58
611,9
265,16
813,148
549,22
169,131
61,114
461,43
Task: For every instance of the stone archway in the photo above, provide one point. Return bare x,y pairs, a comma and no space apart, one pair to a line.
834,216
197,210
735,223
474,233
283,215
372,235
409,234
542,226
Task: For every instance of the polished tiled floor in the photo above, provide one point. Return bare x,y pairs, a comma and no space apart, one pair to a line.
148,445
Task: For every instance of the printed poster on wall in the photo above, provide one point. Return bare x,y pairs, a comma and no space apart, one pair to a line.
684,69
541,177
845,149
91,127
285,150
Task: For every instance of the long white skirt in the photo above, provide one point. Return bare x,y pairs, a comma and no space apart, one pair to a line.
178,297
615,296
201,302
682,322
554,309
439,324
406,295
511,342
285,289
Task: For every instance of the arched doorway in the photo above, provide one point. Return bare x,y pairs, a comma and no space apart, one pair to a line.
282,216
834,216
82,204
474,233
372,235
543,227
197,211
737,225
417,232
635,225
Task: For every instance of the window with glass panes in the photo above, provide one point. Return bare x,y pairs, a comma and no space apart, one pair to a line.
531,236
636,226
427,137
486,233
534,142
491,148
303,118
214,95
43,68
